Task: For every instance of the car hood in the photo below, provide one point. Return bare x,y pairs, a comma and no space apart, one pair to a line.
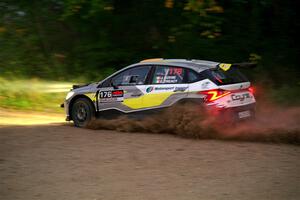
91,87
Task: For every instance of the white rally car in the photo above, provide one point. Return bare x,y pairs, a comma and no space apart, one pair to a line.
154,84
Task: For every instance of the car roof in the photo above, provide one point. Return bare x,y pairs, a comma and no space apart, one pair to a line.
197,65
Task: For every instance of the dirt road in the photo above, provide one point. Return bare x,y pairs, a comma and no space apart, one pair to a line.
48,162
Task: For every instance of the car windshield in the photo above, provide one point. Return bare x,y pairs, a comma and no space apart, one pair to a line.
221,77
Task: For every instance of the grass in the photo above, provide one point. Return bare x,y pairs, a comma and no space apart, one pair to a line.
33,94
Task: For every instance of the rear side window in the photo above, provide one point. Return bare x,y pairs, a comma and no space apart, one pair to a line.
168,75
221,77
193,76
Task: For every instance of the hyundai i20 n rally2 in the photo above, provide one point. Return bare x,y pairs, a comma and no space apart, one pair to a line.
154,84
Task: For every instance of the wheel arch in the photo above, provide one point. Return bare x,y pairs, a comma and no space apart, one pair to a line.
78,97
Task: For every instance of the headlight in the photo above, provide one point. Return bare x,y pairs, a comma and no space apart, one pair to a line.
69,95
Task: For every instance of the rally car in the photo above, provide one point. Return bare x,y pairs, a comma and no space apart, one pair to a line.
154,84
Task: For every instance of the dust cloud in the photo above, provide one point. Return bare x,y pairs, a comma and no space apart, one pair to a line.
272,124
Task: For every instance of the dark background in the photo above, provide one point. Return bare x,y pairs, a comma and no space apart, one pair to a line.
72,39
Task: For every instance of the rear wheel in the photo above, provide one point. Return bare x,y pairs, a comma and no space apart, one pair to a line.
82,112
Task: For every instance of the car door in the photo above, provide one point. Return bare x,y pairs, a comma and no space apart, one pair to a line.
123,91
167,86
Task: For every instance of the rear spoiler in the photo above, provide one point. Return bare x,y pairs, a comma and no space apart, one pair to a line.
225,66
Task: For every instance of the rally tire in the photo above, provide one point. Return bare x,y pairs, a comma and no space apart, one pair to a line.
82,112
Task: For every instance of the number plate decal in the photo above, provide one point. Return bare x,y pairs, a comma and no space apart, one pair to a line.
244,114
111,96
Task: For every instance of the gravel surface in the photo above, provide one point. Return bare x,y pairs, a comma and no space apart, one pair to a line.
57,162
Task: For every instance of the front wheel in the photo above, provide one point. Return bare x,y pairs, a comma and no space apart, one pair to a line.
82,112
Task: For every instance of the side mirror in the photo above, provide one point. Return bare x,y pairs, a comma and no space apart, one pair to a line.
133,79
112,84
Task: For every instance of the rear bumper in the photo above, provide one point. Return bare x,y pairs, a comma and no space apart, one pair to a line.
241,108
234,113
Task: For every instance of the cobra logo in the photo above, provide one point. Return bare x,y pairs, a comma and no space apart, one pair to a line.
149,89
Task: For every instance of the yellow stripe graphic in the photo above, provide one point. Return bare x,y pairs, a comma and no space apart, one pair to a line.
148,100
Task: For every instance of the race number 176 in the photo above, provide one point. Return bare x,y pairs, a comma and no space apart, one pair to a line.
105,94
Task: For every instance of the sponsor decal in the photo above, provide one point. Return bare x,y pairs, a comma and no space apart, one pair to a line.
117,93
149,89
180,89
175,89
164,88
225,66
240,97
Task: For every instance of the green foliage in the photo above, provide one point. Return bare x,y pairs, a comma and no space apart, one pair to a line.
85,9
286,94
33,94
88,39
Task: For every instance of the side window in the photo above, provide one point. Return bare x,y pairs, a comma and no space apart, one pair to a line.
168,75
193,76
133,76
